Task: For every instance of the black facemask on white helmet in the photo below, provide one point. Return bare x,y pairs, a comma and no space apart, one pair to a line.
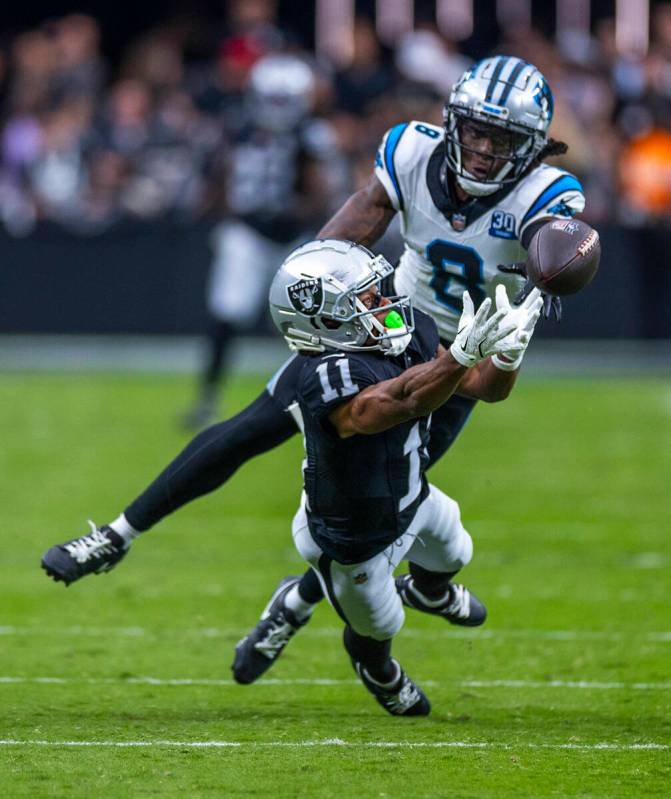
314,300
496,123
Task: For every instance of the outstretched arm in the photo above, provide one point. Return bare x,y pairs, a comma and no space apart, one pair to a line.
421,389
488,383
363,218
417,392
492,380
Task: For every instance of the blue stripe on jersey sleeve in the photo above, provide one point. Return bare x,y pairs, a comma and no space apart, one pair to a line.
562,184
390,148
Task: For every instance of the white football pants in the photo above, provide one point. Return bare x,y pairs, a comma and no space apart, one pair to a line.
242,270
364,593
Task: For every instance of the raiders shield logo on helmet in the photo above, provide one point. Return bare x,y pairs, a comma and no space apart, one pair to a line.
306,296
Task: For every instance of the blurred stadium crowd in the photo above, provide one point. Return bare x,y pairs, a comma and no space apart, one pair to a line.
83,144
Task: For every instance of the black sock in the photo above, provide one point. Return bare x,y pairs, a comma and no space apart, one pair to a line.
219,338
310,588
375,656
211,458
433,585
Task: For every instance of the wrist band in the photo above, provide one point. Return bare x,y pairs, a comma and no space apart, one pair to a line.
462,357
507,366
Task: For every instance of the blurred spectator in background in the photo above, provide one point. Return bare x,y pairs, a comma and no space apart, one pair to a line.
31,71
79,70
645,161
367,76
57,171
425,57
257,20
84,152
645,176
171,130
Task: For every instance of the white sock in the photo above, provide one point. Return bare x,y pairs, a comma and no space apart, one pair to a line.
121,526
430,603
301,609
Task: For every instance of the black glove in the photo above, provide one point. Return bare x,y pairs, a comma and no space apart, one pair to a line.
550,304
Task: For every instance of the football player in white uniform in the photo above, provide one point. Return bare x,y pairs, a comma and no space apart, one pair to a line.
471,197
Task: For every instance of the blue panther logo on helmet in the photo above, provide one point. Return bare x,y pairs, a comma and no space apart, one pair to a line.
543,98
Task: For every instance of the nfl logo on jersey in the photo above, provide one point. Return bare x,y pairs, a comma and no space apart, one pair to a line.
458,221
306,296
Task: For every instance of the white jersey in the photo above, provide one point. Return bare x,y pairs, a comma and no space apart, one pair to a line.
451,248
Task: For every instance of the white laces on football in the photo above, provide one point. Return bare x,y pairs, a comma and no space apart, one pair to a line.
278,636
93,545
460,606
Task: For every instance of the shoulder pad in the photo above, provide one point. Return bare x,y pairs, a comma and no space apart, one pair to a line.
403,148
282,385
548,192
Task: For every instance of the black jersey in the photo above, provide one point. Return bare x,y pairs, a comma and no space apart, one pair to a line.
362,491
265,177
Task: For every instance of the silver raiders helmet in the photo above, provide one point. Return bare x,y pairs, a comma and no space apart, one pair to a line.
314,302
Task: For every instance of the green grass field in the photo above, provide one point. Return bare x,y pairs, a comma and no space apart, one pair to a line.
120,685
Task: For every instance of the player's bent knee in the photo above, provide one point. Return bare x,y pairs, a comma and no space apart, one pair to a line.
461,551
376,630
380,624
458,544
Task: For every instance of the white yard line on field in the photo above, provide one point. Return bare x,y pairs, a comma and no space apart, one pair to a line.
585,684
322,681
230,632
601,746
175,681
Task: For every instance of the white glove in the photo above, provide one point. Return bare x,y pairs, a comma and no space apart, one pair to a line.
479,337
515,344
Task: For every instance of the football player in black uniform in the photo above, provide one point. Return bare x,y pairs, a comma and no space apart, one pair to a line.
366,395
214,455
273,182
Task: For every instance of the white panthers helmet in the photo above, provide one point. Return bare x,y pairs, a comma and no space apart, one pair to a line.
506,98
280,91
314,302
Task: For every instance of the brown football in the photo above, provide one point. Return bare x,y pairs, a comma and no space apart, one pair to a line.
563,256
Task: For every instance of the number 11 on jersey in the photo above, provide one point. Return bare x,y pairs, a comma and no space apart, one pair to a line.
347,389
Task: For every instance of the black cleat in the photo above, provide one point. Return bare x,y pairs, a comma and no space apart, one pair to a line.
95,553
461,606
257,652
404,698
